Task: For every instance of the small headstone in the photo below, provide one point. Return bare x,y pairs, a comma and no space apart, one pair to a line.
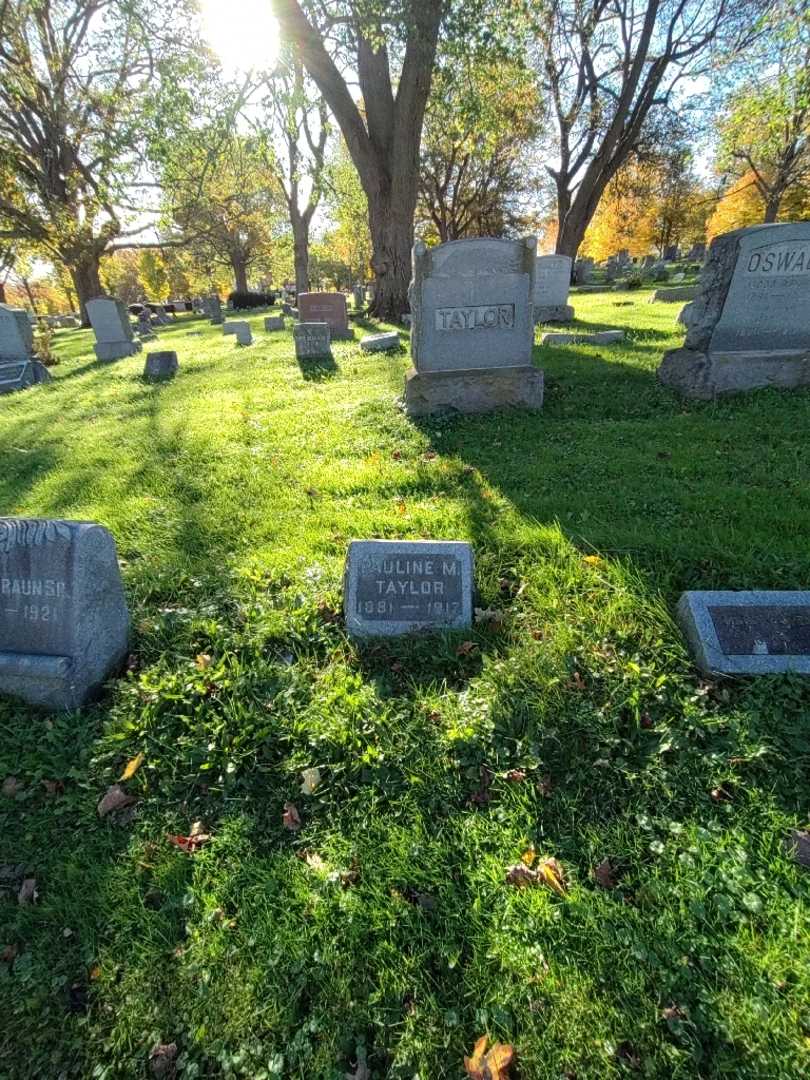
697,252
396,587
552,282
63,617
286,309
674,296
472,331
749,324
143,325
161,365
678,278
240,329
274,322
747,633
601,337
112,329
358,296
583,271
380,342
671,253
312,341
215,310
329,308
18,367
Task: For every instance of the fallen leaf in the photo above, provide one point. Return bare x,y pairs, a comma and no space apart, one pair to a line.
544,786
482,795
721,794
132,767
673,1013
465,648
520,875
315,862
115,798
11,785
592,560
54,787
797,845
94,972
516,776
529,855
397,454
161,1059
576,682
551,873
203,661
603,875
195,839
492,1064
291,819
28,891
311,779
8,954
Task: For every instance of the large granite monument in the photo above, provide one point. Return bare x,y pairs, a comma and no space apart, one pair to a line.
398,586
472,327
110,321
63,617
552,282
19,369
749,325
328,307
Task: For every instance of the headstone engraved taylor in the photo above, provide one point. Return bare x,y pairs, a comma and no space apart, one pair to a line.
63,617
472,327
553,280
312,341
329,308
747,633
111,326
399,586
18,367
749,325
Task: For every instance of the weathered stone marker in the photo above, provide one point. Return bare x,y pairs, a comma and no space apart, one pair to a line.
472,330
749,325
674,296
398,586
380,342
747,633
312,341
18,368
110,322
63,617
552,282
160,366
274,322
240,329
601,337
214,310
328,307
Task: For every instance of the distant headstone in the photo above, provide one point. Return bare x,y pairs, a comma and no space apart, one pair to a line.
240,329
676,295
697,252
601,337
18,367
286,309
399,586
143,325
358,295
552,282
678,278
274,322
472,330
671,253
111,326
749,325
215,310
648,261
63,617
747,633
328,307
312,340
380,342
160,366
583,271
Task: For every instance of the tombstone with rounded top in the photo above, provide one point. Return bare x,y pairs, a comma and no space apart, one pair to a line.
552,282
110,321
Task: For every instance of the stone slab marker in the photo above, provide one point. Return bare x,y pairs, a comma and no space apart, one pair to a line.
552,282
161,365
747,633
380,342
110,321
214,310
63,617
18,367
601,337
399,586
312,341
674,296
329,308
749,325
274,322
472,327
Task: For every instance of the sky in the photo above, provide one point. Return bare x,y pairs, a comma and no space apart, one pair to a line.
243,33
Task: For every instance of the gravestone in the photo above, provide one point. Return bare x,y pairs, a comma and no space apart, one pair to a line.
312,341
697,252
380,342
601,337
749,324
143,325
215,310
676,295
286,309
63,617
583,271
472,329
326,307
111,326
240,329
671,253
160,366
552,282
747,633
274,322
359,298
18,367
399,586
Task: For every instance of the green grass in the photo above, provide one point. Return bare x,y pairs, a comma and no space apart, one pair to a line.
232,493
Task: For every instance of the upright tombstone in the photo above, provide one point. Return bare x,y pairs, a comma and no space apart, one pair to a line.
215,310
240,329
472,327
328,307
749,325
358,294
161,366
312,341
18,367
274,322
111,326
747,633
583,271
552,282
396,587
63,617
143,325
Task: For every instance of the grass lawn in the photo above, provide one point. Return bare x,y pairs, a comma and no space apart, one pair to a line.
382,939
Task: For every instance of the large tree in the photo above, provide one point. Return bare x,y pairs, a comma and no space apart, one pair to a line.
79,85
390,50
609,67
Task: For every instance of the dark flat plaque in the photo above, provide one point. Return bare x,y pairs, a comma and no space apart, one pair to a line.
763,629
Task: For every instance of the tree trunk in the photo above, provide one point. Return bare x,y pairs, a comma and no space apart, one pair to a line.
300,229
87,282
239,273
772,204
2,292
390,220
29,294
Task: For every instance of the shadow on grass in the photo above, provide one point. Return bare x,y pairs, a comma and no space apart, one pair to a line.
319,368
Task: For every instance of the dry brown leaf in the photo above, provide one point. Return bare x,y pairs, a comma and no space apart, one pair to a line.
161,1059
520,875
8,954
492,1064
576,682
195,839
132,767
603,874
94,972
203,661
721,794
551,873
53,787
28,891
115,798
516,776
465,648
291,819
11,785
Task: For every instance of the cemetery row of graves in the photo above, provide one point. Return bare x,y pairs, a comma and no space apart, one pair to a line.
370,690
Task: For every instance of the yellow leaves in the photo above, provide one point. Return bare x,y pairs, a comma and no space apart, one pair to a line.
132,767
548,872
492,1064
592,560
310,778
203,662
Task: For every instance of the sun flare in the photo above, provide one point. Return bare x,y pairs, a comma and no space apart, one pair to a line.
243,33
